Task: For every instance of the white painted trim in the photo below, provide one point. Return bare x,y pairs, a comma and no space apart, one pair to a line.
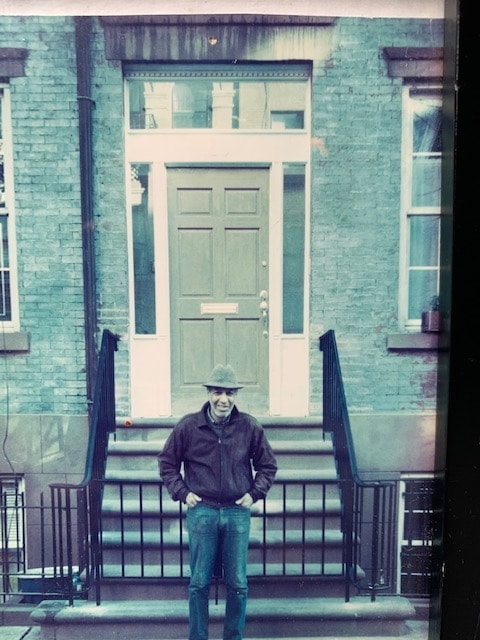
195,147
275,287
327,8
405,195
407,209
150,355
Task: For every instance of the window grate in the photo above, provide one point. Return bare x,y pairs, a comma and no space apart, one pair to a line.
419,546
12,505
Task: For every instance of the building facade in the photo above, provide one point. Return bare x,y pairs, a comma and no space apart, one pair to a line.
218,188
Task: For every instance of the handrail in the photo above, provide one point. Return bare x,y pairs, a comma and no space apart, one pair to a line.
379,495
103,421
335,409
86,497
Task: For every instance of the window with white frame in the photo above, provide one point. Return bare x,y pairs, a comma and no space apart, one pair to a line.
421,194
8,308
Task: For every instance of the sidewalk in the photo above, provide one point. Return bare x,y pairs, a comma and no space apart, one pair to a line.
20,633
417,630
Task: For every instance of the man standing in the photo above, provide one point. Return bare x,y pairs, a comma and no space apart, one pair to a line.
228,465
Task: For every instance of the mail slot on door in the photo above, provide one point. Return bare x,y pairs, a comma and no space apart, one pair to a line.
208,308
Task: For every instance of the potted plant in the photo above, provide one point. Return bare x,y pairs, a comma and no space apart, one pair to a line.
432,319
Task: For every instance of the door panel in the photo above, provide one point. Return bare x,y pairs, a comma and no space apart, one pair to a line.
242,278
195,262
218,239
242,339
199,333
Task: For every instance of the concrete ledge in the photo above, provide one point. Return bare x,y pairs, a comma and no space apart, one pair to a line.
282,617
300,475
391,444
15,614
152,447
14,341
127,423
417,341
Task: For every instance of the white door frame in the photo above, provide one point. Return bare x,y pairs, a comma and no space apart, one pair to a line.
150,354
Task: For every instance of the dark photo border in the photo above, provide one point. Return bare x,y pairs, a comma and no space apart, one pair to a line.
461,589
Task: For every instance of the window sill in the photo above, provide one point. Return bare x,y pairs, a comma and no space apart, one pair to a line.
16,341
417,341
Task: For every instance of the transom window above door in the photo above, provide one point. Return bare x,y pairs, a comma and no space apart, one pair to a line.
218,97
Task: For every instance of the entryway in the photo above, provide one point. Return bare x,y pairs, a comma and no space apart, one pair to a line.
219,236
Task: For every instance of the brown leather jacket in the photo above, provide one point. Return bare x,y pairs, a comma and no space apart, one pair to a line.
219,470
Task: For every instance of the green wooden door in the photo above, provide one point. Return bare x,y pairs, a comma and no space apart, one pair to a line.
218,221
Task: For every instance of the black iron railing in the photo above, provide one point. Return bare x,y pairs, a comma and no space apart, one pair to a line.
77,509
96,530
291,535
369,509
66,524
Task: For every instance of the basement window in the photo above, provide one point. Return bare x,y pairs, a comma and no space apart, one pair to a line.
12,507
419,529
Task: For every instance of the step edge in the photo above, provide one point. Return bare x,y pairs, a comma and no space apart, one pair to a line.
126,422
141,611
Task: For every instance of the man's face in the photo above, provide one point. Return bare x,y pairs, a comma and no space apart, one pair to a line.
221,402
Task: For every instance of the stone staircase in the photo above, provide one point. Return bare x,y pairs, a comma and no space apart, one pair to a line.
296,587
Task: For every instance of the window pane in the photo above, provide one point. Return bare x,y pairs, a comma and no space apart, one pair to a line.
2,170
192,105
426,181
143,250
5,223
424,240
5,307
207,103
4,259
423,285
427,148
293,247
427,126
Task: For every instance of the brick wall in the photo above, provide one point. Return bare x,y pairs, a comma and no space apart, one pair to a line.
354,227
356,215
51,377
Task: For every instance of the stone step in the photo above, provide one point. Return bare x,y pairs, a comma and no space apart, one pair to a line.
283,422
124,583
306,428
151,476
282,577
152,539
150,508
152,447
139,454
292,617
146,548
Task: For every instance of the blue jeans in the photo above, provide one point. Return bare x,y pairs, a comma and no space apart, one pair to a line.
226,529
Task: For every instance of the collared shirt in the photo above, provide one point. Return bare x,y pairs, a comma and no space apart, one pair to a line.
220,469
216,426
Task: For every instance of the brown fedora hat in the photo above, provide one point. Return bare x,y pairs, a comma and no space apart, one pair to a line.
223,377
